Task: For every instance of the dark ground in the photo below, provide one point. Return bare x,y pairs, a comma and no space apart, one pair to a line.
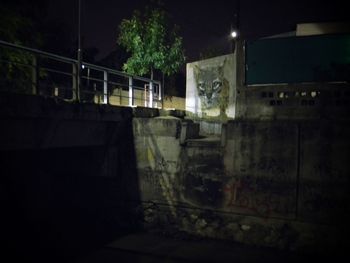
146,247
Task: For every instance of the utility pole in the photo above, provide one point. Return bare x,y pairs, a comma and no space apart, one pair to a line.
235,29
237,14
79,58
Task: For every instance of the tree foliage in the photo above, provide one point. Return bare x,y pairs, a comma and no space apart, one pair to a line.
26,23
152,43
18,28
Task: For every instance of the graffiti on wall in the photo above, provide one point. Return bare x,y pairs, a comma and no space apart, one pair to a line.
258,196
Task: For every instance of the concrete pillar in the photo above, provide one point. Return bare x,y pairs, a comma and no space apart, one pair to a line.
240,80
183,134
240,57
223,134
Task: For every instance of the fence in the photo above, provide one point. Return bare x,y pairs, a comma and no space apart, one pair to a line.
31,71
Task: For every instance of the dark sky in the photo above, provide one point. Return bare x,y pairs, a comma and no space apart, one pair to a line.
203,23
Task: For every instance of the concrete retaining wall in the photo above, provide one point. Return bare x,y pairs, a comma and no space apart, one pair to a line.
157,147
63,171
281,184
261,159
273,183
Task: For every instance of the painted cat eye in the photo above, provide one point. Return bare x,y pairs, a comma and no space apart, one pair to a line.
201,86
216,84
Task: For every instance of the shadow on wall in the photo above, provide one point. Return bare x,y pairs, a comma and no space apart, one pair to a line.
58,203
158,164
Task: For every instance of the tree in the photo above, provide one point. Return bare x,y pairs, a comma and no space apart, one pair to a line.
17,26
152,43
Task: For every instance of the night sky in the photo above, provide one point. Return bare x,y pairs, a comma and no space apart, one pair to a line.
203,24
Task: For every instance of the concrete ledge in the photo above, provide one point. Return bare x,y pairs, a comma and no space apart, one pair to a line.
189,130
141,112
205,142
29,106
160,126
175,113
35,122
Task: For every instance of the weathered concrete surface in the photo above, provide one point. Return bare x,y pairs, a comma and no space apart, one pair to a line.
202,174
261,161
294,101
281,184
324,172
284,101
33,122
63,171
293,172
264,187
158,155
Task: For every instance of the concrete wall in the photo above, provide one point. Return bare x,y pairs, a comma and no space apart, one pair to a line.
120,97
309,29
281,184
298,101
324,172
91,172
302,164
294,101
261,161
173,102
157,146
64,168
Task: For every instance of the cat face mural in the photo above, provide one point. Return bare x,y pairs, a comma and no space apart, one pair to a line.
210,87
209,84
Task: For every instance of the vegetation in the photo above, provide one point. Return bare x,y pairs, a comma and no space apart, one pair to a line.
17,27
151,42
27,23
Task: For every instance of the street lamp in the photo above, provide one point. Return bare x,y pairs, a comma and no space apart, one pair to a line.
233,38
234,34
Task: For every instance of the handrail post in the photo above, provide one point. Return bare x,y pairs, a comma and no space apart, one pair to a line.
151,94
131,92
79,58
161,100
35,75
105,87
74,82
78,75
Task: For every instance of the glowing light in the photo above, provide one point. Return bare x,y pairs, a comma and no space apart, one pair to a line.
234,34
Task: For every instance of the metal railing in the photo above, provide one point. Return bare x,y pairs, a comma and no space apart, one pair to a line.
31,71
